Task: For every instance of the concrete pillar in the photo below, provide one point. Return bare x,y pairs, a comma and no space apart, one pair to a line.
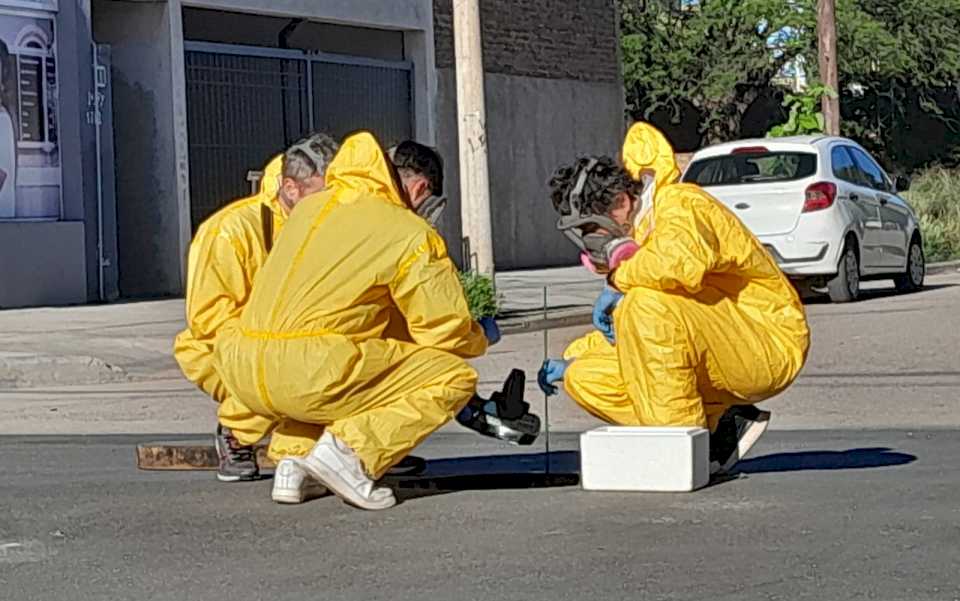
471,118
149,120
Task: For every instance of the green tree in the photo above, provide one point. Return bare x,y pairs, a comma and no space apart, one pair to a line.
899,66
716,56
710,60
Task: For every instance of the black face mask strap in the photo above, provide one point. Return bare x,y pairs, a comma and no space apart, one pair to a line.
575,197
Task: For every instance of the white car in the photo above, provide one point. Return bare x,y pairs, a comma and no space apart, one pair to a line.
826,211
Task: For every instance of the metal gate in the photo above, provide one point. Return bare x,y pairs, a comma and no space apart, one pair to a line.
245,104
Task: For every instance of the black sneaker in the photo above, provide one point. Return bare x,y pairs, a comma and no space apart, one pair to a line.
738,430
411,465
237,462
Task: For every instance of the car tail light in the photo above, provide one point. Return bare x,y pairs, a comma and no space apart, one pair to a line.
819,196
750,150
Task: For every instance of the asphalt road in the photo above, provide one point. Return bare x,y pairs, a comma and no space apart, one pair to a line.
854,496
818,515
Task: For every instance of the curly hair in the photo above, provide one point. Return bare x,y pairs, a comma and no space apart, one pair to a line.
605,182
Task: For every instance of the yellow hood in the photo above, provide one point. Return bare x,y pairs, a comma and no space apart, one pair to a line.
270,182
646,148
361,166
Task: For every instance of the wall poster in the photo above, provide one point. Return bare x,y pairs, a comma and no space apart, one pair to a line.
30,179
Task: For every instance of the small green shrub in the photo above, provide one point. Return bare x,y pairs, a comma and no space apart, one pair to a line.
481,295
935,195
804,116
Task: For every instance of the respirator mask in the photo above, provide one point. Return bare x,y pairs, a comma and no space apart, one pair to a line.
600,252
432,207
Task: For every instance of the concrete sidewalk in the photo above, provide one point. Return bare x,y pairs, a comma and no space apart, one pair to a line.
128,341
110,368
884,362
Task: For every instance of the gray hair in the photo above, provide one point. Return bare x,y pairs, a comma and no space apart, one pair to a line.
309,156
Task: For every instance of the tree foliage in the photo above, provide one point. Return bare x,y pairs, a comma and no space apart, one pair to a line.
899,63
710,60
713,56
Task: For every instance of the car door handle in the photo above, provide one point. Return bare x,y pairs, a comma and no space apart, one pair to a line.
741,205
854,197
883,200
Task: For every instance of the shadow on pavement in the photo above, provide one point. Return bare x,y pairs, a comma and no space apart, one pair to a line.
852,459
503,472
492,472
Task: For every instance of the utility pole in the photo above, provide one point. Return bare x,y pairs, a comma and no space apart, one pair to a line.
472,123
827,43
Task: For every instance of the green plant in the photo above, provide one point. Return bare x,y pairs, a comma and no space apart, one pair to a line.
804,116
935,195
482,297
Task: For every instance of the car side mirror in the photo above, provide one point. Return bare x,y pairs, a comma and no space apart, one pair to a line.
901,183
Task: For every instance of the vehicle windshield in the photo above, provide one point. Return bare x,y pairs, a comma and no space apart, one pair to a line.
751,168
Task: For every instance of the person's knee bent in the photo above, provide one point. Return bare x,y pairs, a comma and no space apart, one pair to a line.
577,382
457,380
585,344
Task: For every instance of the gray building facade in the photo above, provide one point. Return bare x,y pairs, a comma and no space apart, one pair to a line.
166,107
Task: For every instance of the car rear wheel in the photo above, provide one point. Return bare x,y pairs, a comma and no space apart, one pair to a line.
845,286
912,279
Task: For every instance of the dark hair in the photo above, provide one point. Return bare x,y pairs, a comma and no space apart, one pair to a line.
605,181
411,157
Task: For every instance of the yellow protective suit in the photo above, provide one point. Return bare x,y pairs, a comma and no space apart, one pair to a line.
225,255
707,321
310,349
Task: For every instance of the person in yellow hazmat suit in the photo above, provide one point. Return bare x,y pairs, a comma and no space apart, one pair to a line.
697,322
225,255
308,360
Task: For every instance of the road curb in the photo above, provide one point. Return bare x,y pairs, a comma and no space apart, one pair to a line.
943,267
536,324
520,325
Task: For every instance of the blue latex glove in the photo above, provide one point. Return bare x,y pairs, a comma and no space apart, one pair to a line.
603,312
550,372
490,329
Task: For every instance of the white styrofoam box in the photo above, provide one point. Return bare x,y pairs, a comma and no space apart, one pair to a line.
628,458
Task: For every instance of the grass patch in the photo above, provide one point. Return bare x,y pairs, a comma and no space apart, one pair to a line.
935,195
482,297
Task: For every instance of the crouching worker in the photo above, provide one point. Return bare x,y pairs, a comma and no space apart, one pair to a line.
697,322
309,362
505,416
225,256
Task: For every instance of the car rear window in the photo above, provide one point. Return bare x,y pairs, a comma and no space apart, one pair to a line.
751,168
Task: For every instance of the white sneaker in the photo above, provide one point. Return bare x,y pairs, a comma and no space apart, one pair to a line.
336,466
292,484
